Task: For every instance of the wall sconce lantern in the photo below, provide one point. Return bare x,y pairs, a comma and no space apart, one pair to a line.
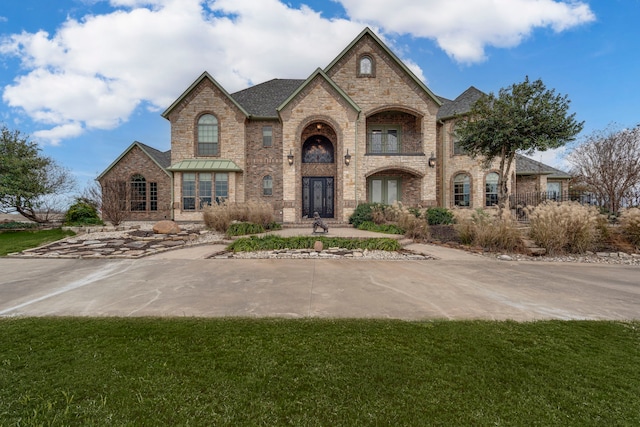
290,158
432,161
347,158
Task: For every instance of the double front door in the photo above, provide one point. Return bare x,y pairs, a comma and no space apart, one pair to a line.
317,196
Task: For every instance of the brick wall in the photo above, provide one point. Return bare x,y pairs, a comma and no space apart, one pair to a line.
135,162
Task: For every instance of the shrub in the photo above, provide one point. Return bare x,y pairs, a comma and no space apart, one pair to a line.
273,242
380,228
219,217
82,213
362,213
438,216
630,225
567,226
244,228
480,228
414,227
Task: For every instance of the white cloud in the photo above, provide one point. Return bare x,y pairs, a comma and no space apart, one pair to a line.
94,72
463,28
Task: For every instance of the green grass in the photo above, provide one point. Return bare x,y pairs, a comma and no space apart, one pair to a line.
68,371
16,241
273,242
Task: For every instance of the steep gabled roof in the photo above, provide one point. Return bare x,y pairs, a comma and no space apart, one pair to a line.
160,158
461,105
367,32
527,166
324,76
263,100
195,84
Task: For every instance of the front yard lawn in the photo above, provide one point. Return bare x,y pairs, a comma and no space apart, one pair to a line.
83,371
16,241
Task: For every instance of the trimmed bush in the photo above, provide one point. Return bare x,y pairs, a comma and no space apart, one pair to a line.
439,216
363,212
630,225
82,213
566,227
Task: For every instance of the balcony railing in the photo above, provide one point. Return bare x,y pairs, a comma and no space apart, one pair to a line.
396,143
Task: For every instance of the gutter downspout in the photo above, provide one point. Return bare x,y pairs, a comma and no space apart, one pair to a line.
442,167
355,166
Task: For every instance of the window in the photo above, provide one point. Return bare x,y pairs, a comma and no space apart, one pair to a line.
208,135
455,141
267,136
138,193
384,190
267,186
491,189
384,140
366,66
554,190
189,191
204,189
461,190
222,187
153,196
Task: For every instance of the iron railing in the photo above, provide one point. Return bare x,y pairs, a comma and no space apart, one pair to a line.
519,203
394,143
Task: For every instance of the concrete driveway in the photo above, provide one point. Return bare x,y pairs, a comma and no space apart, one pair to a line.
454,287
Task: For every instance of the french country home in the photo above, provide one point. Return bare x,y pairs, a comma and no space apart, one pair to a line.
362,129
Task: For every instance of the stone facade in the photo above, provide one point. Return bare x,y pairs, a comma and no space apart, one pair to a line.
363,129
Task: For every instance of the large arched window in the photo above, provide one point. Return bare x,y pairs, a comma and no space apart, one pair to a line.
207,135
317,149
138,193
491,189
462,190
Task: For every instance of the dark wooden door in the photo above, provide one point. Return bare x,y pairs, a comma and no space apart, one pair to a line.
317,196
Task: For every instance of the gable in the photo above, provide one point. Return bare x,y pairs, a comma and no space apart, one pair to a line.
191,92
161,159
345,64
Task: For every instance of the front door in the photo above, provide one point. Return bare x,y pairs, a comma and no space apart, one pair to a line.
317,196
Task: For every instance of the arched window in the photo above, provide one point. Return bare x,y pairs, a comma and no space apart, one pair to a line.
366,66
267,186
207,135
462,190
138,193
317,149
491,189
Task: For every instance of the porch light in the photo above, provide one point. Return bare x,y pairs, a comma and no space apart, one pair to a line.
290,158
347,158
432,161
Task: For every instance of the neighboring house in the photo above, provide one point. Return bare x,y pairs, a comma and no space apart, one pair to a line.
363,129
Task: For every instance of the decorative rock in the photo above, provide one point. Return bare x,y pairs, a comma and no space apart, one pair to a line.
166,227
505,258
317,246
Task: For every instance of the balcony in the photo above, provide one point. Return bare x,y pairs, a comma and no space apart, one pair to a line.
395,143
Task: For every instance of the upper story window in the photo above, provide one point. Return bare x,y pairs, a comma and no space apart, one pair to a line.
267,136
457,149
366,66
384,140
207,135
317,149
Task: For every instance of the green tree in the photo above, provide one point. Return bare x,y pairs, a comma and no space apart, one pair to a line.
28,180
524,117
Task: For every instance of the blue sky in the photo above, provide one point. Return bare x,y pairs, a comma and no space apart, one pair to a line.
85,78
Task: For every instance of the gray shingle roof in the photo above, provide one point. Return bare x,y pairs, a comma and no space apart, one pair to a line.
462,104
262,99
163,158
527,166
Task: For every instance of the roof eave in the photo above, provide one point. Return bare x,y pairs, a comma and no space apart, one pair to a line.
125,152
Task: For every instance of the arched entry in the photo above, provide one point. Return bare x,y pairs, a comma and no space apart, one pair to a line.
318,177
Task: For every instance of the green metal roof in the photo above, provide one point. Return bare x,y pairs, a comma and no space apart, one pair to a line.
194,165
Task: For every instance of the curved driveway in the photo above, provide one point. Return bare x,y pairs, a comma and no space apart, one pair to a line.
456,286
